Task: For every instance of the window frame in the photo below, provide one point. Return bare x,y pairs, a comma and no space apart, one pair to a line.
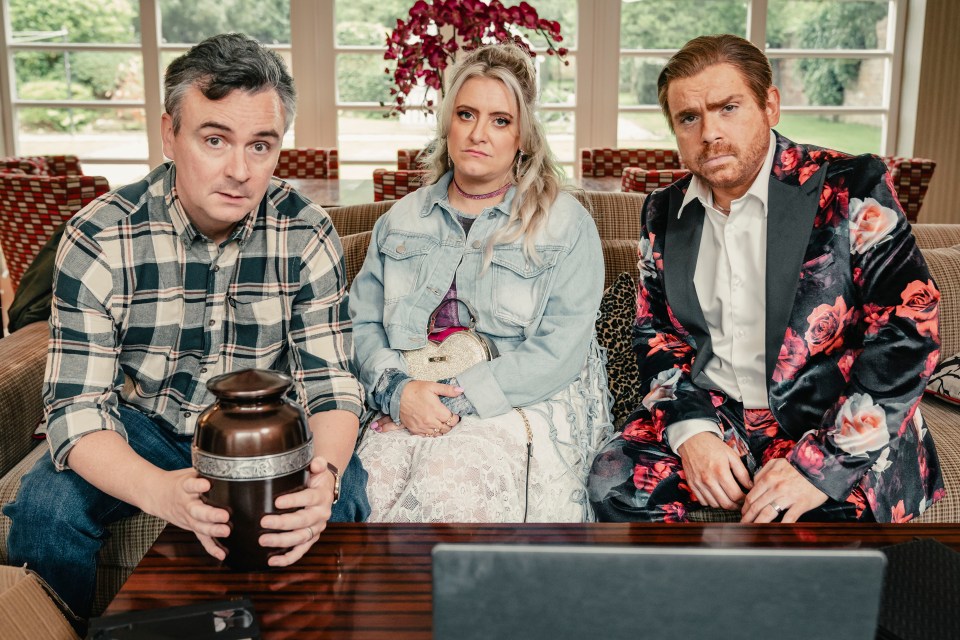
314,55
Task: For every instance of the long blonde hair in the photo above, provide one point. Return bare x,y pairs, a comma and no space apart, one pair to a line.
537,176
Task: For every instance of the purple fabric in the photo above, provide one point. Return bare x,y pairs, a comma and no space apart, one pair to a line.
449,316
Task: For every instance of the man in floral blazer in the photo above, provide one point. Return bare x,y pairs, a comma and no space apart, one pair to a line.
786,322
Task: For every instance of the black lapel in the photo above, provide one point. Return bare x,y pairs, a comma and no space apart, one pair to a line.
790,214
681,244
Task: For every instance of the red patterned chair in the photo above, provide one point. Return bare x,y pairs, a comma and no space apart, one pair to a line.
407,158
598,163
308,163
911,179
393,185
637,180
31,209
43,165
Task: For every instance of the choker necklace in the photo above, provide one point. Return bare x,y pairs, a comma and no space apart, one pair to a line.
481,196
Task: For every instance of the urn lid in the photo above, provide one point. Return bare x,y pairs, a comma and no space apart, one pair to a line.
249,385
251,417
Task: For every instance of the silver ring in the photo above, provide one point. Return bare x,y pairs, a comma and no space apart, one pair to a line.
310,529
449,421
436,431
776,507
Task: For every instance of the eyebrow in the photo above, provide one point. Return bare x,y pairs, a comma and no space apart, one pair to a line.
266,133
495,113
711,106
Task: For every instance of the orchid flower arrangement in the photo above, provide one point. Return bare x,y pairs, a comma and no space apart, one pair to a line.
427,42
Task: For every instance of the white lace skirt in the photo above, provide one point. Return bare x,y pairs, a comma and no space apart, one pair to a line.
478,471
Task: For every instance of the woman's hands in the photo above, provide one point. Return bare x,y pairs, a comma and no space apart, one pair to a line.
421,412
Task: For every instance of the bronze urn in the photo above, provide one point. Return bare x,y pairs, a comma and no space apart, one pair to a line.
253,445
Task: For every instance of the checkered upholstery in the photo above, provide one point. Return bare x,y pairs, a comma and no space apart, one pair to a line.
308,163
32,207
636,180
407,158
393,185
911,179
43,165
597,163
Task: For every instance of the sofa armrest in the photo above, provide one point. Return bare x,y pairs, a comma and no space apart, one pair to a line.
23,357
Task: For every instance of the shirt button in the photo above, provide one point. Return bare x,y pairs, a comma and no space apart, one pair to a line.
476,244
401,249
741,334
212,322
203,370
216,267
187,414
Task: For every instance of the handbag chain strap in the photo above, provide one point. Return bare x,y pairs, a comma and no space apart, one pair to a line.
469,307
526,490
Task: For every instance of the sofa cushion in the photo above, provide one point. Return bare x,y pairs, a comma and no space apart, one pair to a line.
618,309
354,251
619,256
945,381
944,265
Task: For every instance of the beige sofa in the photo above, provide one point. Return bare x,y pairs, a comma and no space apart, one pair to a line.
22,356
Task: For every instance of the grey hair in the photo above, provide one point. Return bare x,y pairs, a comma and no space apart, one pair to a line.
222,64
537,175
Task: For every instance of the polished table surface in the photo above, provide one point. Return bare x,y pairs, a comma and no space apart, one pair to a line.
374,580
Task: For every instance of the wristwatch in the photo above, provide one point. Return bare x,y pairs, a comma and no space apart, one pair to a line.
336,481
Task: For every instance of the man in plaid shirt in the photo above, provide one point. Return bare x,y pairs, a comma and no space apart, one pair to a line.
208,265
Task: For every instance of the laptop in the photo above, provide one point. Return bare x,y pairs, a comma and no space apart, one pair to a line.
556,592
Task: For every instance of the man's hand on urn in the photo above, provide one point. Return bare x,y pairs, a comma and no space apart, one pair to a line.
299,529
178,501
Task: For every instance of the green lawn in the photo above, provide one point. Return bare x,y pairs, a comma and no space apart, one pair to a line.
843,136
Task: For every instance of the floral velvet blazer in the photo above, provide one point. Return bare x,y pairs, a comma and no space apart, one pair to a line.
852,330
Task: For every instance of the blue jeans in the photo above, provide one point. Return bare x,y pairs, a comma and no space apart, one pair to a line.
59,520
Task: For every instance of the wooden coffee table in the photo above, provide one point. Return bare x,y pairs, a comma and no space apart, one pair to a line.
373,580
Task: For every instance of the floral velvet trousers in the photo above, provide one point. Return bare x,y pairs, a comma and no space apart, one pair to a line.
637,477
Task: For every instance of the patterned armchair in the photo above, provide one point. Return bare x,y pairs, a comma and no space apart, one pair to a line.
393,185
407,158
598,163
31,209
637,180
308,163
42,165
911,179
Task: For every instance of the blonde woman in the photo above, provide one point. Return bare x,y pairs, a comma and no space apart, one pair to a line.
491,228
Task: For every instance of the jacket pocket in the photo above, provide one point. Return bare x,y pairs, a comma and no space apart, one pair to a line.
258,325
404,255
520,286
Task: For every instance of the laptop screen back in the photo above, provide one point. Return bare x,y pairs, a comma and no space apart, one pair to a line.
555,592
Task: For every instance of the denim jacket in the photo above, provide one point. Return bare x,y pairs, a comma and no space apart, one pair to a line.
539,315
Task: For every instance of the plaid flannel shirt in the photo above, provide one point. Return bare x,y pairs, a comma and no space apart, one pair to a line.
146,310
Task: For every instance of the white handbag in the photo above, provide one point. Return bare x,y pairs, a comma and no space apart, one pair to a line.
456,353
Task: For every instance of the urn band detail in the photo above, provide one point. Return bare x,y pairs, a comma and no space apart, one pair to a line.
252,467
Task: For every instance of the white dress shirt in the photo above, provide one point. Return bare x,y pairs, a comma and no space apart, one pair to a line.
730,283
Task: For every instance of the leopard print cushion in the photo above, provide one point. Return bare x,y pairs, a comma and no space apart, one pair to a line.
618,308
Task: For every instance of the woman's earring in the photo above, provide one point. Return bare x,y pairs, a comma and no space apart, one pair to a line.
519,160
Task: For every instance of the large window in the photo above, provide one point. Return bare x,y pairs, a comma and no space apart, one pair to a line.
86,74
78,82
834,62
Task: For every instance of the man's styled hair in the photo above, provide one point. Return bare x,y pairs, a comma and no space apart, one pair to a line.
706,51
223,63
